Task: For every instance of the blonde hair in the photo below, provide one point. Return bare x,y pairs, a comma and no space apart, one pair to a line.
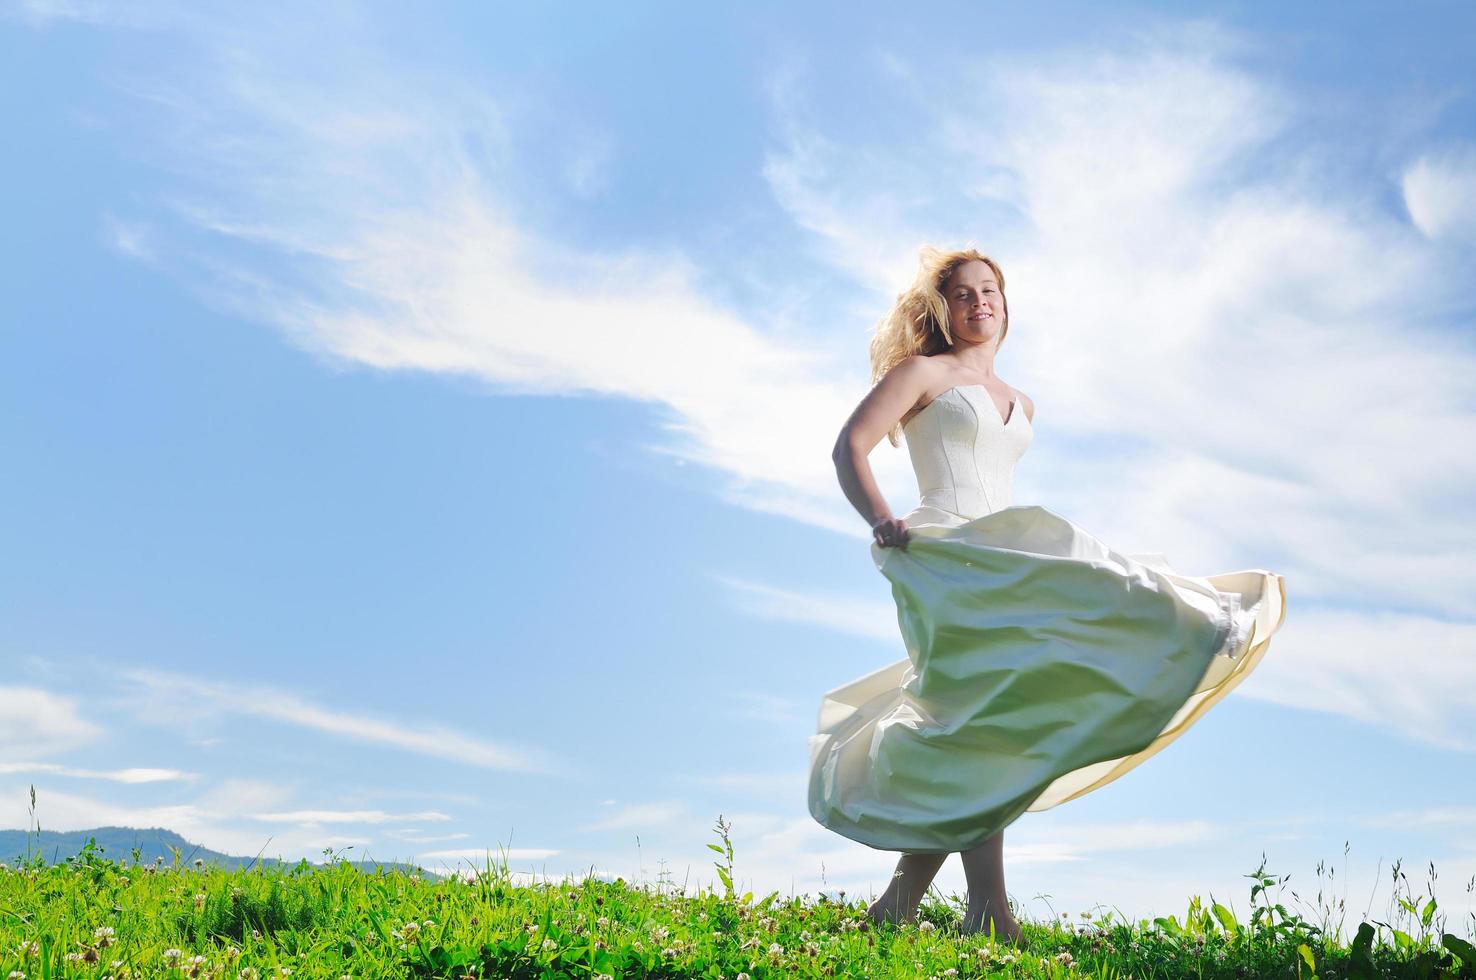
918,322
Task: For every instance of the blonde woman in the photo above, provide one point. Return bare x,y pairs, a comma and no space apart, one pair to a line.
1041,664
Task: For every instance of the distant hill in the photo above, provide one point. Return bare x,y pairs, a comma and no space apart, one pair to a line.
118,843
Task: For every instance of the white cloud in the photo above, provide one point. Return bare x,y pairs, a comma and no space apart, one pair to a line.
135,775
1194,312
1413,674
768,709
219,819
162,695
495,854
412,835
404,257
1440,193
129,238
345,816
67,811
36,722
868,618
38,12
777,783
641,816
1194,306
237,795
1461,818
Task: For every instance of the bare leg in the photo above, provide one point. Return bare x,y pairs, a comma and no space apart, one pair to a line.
909,884
984,872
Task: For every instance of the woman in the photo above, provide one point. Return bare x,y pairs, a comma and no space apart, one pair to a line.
1041,664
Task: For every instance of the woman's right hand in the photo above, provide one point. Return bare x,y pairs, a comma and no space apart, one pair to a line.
890,532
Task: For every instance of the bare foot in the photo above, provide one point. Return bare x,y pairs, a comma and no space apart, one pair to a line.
882,911
1006,928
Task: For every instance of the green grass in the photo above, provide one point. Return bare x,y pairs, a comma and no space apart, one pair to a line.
93,916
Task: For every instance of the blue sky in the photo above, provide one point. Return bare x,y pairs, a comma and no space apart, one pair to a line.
417,426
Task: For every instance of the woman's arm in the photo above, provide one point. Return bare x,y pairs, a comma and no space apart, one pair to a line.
892,397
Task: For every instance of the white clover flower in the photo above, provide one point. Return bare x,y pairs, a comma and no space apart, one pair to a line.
952,971
1064,957
776,950
173,954
926,926
247,973
15,975
742,976
104,933
602,921
549,944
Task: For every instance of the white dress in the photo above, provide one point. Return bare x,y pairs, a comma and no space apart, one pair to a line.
1041,664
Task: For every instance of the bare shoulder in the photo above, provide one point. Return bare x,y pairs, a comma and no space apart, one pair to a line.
919,366
916,373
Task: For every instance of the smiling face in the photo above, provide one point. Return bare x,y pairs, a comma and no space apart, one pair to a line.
976,310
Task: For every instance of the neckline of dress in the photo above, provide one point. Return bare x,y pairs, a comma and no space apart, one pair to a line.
1014,404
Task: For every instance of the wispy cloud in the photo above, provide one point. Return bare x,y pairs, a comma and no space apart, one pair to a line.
872,619
1459,817
35,722
128,238
1194,305
1413,674
385,191
135,775
785,783
480,853
769,709
1440,193
345,816
1175,258
413,836
161,695
225,818
641,816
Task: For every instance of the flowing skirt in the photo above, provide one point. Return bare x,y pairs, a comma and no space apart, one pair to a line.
1041,664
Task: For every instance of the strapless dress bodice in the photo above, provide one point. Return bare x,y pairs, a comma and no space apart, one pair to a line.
964,454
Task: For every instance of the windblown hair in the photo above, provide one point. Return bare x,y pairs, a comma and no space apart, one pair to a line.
918,322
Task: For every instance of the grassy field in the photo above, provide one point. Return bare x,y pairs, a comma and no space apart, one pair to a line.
96,916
